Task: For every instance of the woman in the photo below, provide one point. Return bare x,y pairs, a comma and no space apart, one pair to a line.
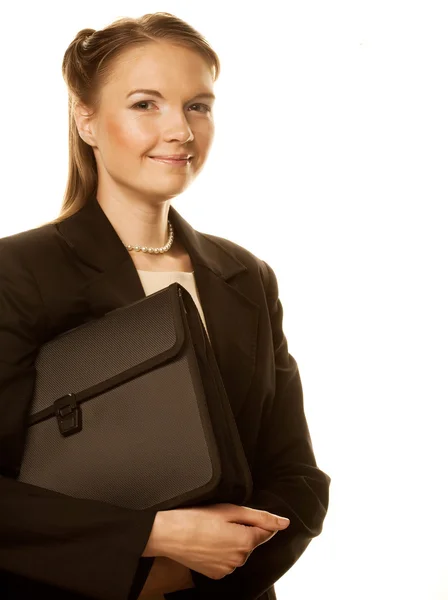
141,93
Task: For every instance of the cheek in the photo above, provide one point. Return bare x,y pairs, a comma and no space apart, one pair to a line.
129,134
204,133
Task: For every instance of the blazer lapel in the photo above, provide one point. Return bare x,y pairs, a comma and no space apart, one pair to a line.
231,317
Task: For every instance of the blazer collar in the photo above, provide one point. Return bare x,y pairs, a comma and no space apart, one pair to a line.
231,316
95,240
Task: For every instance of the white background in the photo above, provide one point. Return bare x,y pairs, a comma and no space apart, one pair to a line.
329,162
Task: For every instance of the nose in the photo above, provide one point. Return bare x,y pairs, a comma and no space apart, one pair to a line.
178,129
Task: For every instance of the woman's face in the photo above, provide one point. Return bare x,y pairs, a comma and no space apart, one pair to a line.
130,127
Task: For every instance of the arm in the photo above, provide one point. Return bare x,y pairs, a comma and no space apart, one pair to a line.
286,479
88,547
166,576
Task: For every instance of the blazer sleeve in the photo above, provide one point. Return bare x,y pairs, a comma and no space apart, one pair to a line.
83,546
286,479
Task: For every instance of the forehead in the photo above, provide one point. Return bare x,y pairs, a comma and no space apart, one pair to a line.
160,65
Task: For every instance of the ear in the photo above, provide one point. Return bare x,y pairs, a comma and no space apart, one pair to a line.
85,123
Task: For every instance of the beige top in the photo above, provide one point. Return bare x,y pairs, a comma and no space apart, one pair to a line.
152,281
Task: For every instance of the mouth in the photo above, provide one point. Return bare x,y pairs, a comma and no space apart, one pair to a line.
172,161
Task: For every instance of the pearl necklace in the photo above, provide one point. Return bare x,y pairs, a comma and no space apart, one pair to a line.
155,250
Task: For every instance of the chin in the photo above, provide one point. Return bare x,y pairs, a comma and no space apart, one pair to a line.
165,192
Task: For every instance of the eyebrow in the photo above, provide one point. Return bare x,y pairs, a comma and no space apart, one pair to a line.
159,95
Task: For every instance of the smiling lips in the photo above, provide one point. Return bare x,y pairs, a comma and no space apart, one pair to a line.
172,156
171,161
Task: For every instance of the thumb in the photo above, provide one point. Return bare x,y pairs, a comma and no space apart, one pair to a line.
259,518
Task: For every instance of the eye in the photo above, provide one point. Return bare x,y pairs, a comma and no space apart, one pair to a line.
204,106
143,102
207,108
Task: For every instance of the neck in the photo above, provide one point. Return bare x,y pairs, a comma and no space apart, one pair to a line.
137,224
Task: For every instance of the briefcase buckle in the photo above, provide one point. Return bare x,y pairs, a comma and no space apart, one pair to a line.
68,414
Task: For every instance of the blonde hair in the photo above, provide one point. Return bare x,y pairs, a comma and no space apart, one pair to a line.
88,62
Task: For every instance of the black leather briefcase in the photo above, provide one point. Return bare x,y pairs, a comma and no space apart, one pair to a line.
131,409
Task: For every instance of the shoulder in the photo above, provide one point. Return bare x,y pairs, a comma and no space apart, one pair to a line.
23,249
254,264
21,304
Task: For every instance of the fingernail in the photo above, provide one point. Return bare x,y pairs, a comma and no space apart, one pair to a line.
283,521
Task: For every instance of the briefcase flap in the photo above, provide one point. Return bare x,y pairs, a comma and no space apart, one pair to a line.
100,354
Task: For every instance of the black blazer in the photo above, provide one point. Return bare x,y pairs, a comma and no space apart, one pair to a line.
55,277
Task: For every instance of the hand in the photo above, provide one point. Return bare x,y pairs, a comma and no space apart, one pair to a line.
166,576
212,540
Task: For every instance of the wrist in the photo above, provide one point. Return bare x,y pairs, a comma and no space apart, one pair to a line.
153,545
166,536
